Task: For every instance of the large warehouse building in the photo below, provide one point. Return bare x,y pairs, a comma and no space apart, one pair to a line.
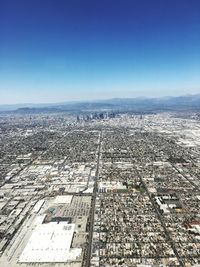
50,242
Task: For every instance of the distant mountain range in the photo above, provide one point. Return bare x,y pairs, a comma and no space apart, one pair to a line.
140,104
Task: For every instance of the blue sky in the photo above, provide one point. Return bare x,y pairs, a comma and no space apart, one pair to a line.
60,50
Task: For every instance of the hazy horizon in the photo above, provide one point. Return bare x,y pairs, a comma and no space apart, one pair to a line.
57,51
100,100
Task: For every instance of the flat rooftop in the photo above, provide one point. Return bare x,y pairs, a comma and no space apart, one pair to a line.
49,243
63,199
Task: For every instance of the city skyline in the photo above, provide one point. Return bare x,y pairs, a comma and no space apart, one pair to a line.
63,51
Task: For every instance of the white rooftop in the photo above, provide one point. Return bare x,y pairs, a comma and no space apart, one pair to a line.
50,243
63,199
